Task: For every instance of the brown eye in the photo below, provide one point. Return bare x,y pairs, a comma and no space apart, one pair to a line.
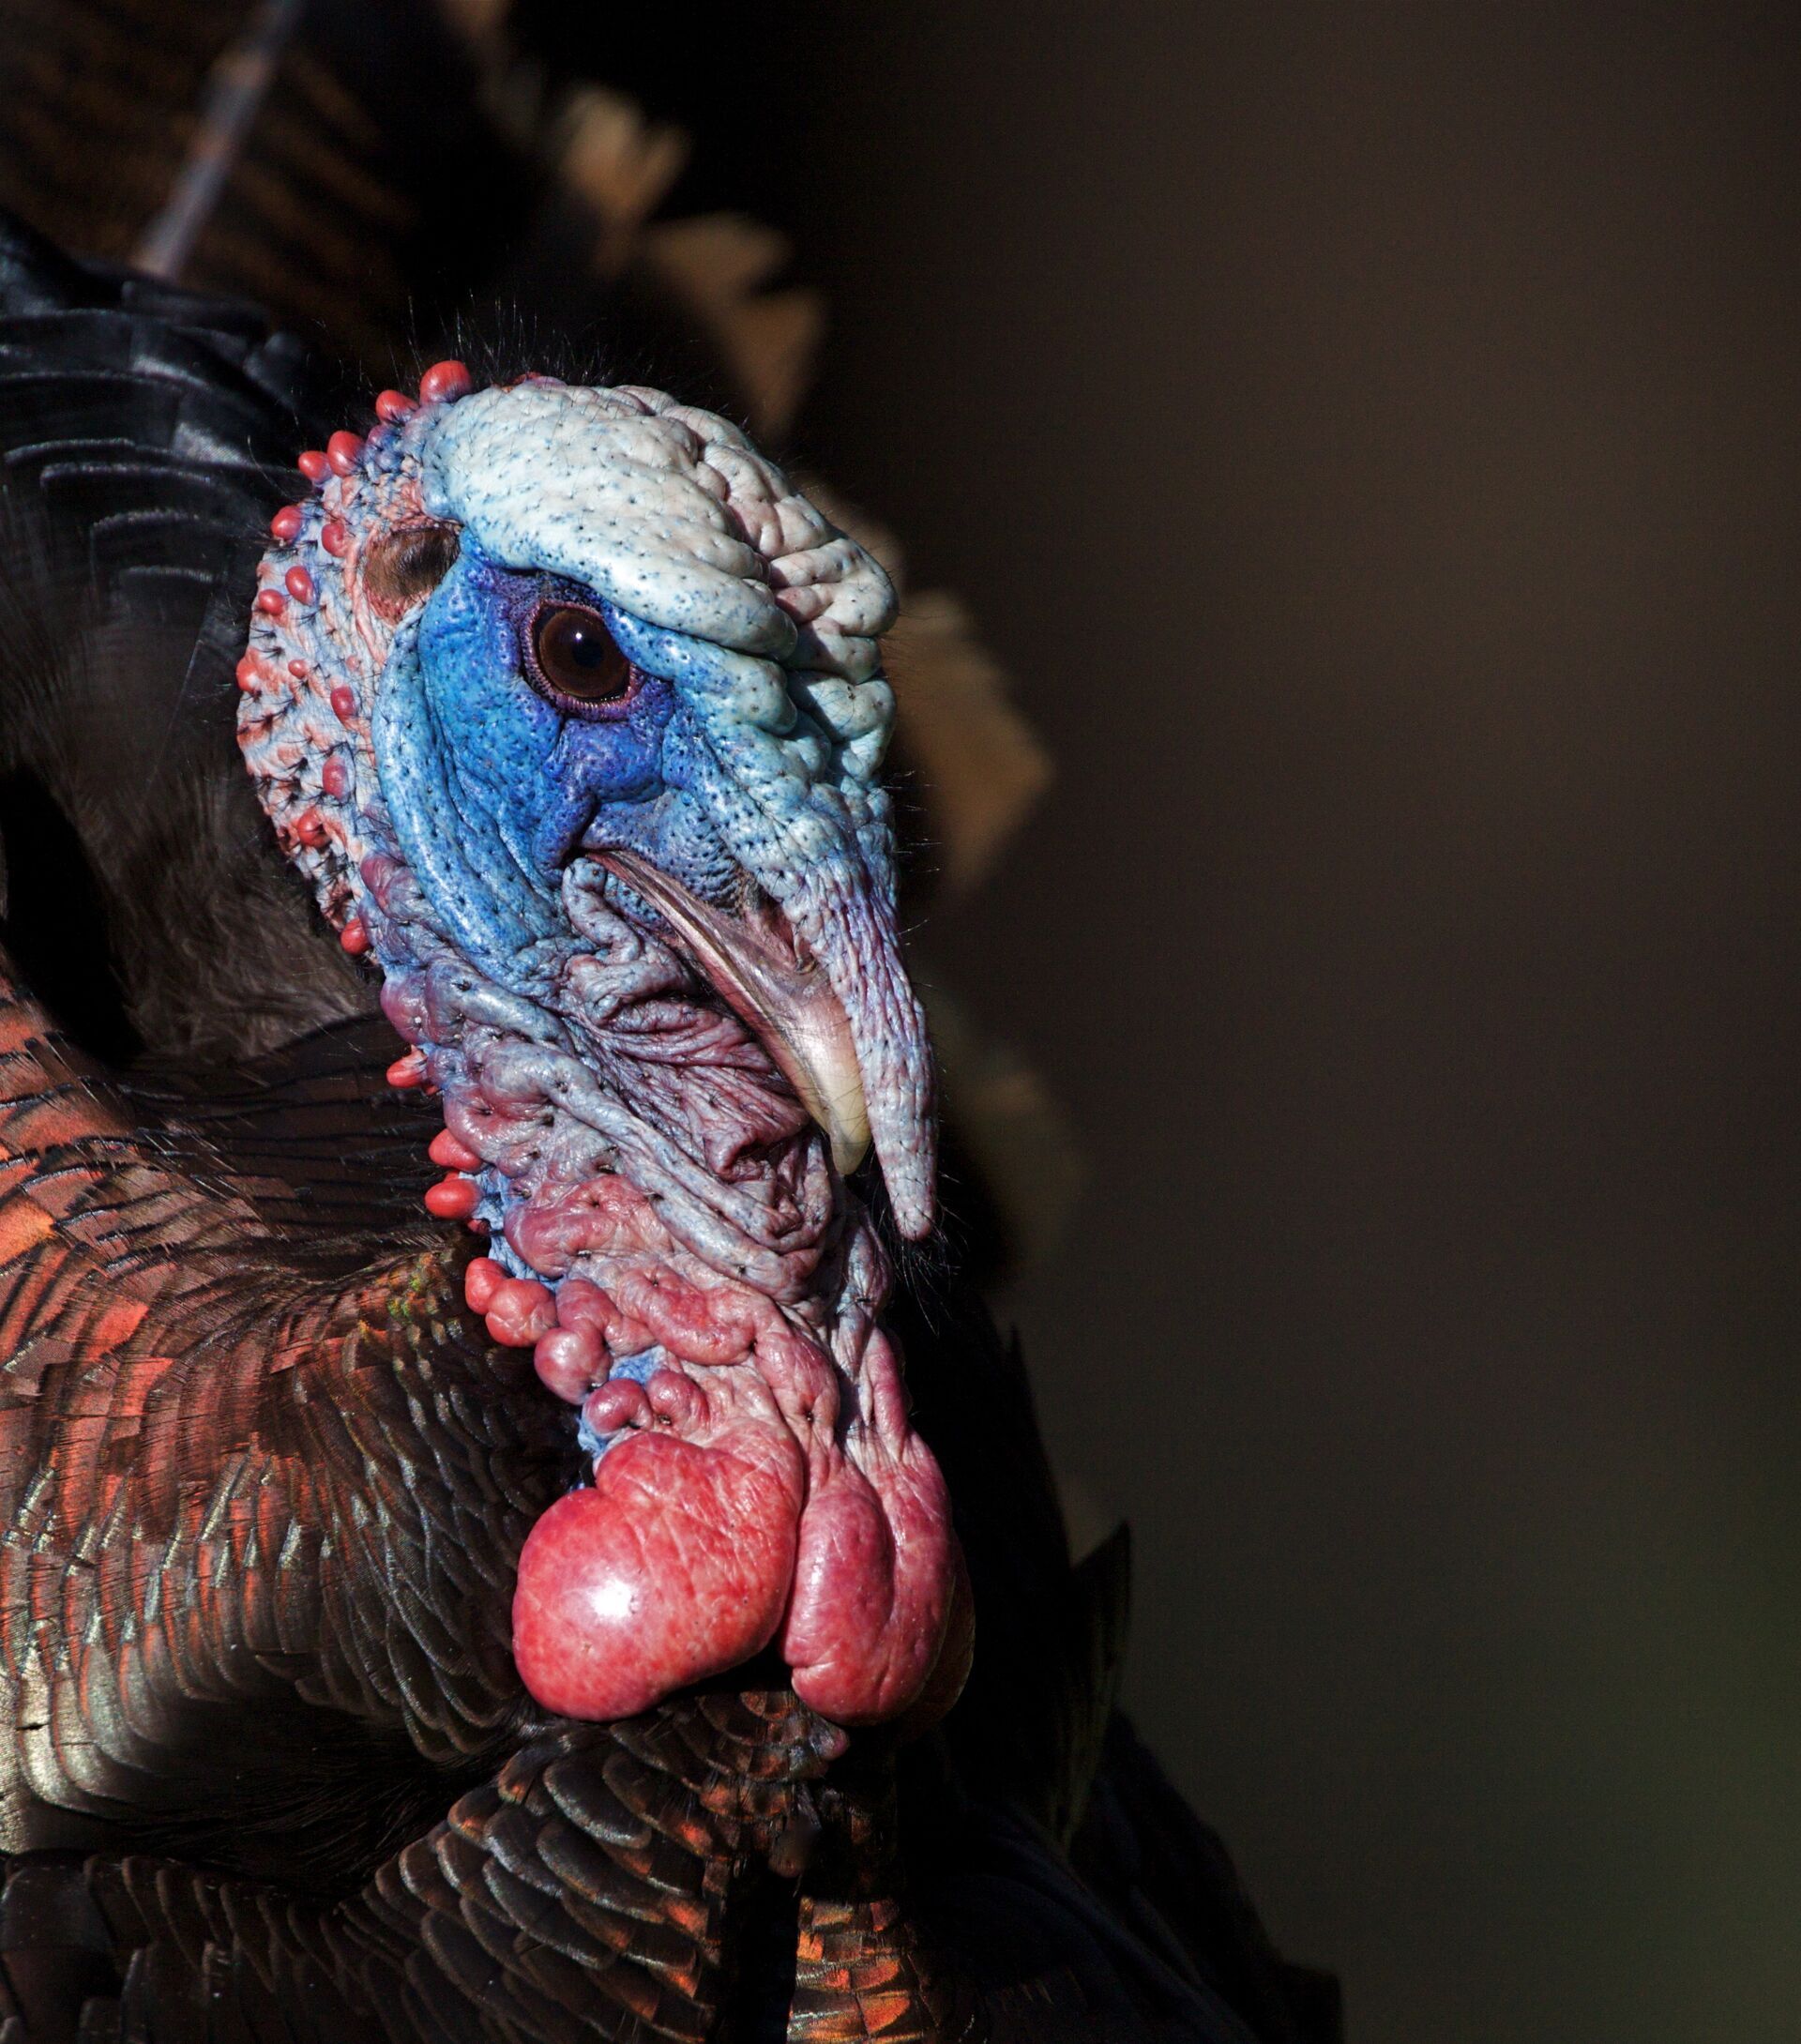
575,654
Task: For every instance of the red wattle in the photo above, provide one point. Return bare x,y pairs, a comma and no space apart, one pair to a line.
756,1488
675,1566
873,1582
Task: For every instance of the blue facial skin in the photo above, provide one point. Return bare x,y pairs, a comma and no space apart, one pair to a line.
492,786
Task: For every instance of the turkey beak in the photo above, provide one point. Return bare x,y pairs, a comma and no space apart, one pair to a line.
836,1014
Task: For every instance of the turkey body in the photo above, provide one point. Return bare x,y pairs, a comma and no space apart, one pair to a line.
267,1771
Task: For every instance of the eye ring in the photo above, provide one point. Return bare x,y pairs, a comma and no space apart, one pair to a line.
575,660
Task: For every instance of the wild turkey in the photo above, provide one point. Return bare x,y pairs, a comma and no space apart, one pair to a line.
515,1599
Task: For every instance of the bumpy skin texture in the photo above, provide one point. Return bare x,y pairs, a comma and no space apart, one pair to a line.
268,1774
667,1221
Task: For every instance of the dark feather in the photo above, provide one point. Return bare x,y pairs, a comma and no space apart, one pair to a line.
146,435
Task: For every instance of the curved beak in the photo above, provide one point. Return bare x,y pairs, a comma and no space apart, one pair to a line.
821,982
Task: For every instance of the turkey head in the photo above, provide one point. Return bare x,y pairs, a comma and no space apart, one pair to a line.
570,707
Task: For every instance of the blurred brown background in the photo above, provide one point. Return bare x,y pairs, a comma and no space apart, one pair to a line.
1370,434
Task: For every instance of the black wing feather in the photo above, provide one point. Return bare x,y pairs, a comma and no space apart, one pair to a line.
146,435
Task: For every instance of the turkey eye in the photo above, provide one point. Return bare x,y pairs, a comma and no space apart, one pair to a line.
575,654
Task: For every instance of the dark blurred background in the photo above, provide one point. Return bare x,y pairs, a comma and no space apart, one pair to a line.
1369,435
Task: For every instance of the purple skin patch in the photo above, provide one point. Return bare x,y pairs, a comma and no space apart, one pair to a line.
572,715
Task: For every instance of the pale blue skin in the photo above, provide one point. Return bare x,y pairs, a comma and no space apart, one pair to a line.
745,757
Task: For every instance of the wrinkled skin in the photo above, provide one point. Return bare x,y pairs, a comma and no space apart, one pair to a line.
571,707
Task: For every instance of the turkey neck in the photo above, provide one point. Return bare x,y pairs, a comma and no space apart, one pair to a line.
666,1233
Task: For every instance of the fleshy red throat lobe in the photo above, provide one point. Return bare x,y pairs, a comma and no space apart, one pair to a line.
737,1506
